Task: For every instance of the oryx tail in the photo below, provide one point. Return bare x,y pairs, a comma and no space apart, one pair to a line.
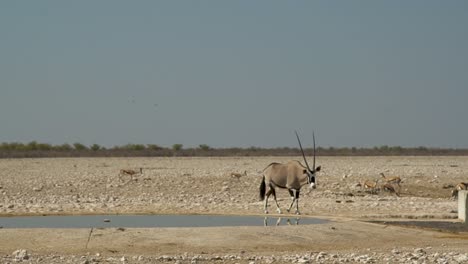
262,189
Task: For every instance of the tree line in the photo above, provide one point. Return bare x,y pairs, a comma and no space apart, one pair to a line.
35,149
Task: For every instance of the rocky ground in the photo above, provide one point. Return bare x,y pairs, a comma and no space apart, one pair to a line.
205,186
418,255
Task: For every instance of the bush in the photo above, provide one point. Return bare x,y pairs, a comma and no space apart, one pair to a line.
64,147
204,147
177,147
133,147
79,146
154,147
95,147
32,145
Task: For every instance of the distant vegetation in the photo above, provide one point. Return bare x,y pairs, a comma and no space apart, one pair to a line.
34,149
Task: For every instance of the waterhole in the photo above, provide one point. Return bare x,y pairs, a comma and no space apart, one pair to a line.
100,221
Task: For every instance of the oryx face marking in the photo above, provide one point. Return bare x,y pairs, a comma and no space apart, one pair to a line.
311,177
312,181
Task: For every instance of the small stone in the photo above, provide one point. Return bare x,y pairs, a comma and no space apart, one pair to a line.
38,189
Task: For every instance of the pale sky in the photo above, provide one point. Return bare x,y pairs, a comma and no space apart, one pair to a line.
235,73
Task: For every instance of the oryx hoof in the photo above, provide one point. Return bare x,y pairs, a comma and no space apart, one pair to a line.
298,213
266,211
278,210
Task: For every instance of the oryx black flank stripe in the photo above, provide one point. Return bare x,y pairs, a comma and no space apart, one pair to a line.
283,187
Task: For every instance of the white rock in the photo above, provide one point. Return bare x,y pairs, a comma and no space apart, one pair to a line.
20,255
462,258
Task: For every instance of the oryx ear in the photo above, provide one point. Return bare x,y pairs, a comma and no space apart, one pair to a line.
318,168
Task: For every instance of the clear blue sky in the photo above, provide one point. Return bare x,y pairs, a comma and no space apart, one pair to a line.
235,73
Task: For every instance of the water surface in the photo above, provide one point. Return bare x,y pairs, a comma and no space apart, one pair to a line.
88,221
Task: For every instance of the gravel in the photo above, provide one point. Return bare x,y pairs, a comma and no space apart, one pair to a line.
402,255
204,186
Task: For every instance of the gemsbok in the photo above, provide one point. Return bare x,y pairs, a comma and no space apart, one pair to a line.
291,176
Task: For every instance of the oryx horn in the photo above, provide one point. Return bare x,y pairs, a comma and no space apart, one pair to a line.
303,155
313,138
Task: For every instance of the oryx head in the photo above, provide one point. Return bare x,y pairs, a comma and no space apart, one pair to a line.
309,172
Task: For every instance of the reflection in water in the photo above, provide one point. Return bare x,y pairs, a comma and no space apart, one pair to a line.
278,221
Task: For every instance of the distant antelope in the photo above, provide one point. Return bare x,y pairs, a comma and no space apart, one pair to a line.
369,184
390,188
238,175
459,187
291,175
129,172
462,186
395,179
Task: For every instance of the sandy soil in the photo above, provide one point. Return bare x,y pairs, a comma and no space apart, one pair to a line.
205,186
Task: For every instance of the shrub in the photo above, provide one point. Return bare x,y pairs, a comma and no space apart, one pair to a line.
63,147
79,146
177,147
204,147
153,147
95,147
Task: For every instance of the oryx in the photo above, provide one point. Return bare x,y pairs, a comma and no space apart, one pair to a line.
291,175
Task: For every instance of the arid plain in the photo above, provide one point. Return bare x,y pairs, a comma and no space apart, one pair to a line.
176,185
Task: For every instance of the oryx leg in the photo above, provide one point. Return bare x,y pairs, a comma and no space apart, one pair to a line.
293,197
297,202
267,195
278,221
276,201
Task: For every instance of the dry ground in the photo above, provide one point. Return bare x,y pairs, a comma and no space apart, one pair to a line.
205,186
